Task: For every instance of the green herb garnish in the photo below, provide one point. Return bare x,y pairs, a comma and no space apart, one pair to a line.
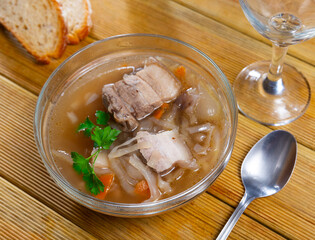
101,117
103,138
87,127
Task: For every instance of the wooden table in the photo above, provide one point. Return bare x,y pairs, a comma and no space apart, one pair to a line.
33,207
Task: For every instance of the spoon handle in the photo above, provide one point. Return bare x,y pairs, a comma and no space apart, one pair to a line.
246,200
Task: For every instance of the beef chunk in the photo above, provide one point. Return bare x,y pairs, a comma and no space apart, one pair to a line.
167,149
139,95
116,106
162,81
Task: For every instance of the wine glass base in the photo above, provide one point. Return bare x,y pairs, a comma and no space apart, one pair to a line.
276,108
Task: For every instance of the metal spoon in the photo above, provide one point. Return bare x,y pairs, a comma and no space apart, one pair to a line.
266,169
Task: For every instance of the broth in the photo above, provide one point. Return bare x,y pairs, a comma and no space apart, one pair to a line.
83,98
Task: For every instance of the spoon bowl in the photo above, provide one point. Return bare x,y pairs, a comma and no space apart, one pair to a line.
266,169
269,164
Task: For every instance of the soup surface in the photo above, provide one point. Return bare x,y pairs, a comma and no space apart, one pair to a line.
194,117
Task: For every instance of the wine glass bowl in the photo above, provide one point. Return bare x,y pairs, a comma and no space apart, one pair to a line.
285,22
274,93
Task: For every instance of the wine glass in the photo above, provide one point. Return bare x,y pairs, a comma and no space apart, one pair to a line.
274,93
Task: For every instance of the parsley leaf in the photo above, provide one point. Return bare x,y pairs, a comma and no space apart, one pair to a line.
93,184
104,137
80,163
87,127
101,117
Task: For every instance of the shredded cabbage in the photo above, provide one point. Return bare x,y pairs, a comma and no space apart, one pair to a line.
149,176
117,152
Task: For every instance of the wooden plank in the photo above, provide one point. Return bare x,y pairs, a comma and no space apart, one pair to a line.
229,12
202,219
23,217
20,67
288,211
230,49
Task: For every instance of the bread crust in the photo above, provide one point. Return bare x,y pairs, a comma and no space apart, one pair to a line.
63,32
81,33
45,59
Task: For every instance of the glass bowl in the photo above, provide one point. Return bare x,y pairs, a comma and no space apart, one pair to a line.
83,63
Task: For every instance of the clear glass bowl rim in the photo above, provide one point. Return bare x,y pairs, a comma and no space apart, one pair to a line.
138,209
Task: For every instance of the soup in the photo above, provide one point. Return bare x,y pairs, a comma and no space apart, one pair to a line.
170,122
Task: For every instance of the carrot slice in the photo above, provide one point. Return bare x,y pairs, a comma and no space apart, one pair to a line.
159,112
180,72
107,180
142,188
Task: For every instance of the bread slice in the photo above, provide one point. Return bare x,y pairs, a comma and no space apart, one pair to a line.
38,25
77,15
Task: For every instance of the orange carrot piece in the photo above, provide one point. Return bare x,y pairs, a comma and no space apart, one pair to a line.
107,180
142,188
159,112
180,72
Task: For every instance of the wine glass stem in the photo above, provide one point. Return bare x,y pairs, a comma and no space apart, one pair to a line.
273,83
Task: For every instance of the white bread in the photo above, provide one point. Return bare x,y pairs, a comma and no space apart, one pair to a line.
38,25
77,15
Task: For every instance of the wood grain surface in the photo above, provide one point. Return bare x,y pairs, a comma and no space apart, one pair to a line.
229,12
23,217
22,165
33,207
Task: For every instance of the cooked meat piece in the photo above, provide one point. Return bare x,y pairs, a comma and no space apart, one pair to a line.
137,96
136,92
118,108
160,79
167,149
188,100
